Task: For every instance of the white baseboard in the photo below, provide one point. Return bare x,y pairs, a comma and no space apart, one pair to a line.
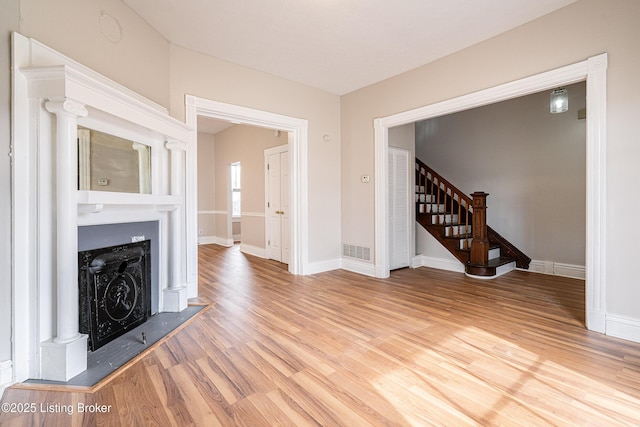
322,266
253,250
222,241
439,263
6,373
558,269
623,327
359,267
207,240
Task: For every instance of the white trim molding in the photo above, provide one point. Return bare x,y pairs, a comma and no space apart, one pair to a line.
253,250
207,240
298,143
252,214
6,373
558,269
439,263
327,265
624,327
594,71
360,267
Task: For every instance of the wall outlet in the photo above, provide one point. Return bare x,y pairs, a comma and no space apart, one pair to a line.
200,231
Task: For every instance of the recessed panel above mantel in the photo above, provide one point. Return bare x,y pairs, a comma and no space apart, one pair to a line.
110,163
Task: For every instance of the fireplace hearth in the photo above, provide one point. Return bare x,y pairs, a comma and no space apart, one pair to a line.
114,291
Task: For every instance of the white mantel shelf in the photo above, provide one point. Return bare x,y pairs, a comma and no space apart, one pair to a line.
132,199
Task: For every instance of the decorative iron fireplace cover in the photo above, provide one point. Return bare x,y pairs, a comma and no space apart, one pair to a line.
115,290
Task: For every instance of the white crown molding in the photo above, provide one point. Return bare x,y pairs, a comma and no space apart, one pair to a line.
67,81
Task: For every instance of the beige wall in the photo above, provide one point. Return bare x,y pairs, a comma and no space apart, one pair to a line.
531,162
145,62
9,19
206,77
139,60
570,35
403,137
206,185
244,144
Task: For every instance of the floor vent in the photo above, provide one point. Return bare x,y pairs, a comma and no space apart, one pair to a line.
359,252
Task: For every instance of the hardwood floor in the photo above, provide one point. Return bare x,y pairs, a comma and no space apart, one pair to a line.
424,347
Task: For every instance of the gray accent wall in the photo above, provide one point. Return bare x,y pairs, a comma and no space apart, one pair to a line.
531,162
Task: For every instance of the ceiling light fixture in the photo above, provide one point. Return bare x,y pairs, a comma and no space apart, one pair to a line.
559,102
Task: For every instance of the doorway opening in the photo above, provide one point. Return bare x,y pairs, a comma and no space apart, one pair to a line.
235,195
296,130
593,71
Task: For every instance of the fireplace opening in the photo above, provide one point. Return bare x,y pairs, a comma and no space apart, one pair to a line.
114,290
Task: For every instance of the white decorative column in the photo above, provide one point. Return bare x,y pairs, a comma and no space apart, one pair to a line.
65,356
84,159
144,167
175,296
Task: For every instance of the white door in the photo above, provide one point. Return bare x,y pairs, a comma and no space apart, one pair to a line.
278,205
285,205
399,209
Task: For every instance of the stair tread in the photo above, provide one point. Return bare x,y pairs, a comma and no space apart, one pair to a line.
496,262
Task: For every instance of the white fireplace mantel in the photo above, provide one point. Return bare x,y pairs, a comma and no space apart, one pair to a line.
53,95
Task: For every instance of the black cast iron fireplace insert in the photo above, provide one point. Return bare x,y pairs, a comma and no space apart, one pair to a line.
115,290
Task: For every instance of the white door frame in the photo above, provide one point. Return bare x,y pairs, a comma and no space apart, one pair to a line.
298,163
594,71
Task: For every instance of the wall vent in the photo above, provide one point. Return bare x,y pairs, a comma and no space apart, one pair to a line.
358,252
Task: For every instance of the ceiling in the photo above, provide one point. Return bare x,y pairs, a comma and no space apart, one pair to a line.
335,45
211,125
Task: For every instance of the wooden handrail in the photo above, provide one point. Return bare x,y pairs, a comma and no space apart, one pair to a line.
451,202
456,202
444,183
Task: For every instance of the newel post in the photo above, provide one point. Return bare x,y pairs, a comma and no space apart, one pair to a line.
480,242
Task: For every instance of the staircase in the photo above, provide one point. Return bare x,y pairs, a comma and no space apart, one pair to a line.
448,215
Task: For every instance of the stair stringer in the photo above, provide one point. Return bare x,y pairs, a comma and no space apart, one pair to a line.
449,201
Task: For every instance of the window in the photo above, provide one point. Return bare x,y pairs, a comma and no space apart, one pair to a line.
235,190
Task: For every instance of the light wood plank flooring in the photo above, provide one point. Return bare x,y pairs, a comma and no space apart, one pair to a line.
421,348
